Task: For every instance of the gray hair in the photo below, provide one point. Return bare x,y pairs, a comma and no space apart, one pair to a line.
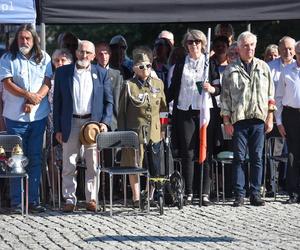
195,34
271,47
281,41
243,36
81,42
62,52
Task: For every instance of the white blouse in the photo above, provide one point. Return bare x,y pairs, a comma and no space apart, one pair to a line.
193,71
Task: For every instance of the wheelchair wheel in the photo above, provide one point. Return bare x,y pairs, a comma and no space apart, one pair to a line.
180,200
161,204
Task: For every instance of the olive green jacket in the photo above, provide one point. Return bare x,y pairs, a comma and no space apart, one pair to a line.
245,96
140,105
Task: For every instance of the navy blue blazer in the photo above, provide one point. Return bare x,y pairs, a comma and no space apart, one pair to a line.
102,99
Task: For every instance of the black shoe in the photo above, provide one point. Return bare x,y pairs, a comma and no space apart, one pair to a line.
238,202
16,210
270,194
136,204
256,201
292,200
36,209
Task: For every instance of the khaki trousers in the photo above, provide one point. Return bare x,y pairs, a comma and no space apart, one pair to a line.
72,150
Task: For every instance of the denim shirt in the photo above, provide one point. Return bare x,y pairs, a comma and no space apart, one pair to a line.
28,75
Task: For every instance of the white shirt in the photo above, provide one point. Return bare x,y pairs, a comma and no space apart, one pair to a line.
193,71
288,90
82,91
276,67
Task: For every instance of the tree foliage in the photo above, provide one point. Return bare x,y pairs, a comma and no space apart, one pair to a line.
145,34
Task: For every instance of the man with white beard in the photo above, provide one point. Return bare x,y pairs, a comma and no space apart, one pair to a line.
82,93
25,73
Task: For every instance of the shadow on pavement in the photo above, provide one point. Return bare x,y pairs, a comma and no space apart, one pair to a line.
136,238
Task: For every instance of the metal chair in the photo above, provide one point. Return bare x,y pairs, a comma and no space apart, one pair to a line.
117,140
274,156
8,142
225,158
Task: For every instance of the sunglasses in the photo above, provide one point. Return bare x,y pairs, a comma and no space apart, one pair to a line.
191,42
144,66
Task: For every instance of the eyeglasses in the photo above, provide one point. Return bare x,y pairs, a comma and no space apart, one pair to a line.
144,66
191,42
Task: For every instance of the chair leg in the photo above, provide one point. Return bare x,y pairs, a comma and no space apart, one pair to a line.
274,178
265,179
125,189
59,188
148,193
26,194
217,181
22,195
102,180
110,192
223,182
97,188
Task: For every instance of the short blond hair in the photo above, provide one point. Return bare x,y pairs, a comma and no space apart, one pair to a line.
195,34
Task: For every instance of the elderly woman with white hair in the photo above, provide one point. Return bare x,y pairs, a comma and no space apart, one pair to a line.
59,58
186,109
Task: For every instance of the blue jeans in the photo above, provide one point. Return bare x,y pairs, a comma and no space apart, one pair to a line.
32,134
248,134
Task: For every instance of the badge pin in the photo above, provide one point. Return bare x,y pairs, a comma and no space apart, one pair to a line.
95,76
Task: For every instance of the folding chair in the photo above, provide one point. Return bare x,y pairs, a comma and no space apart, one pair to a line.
226,158
119,140
274,156
8,142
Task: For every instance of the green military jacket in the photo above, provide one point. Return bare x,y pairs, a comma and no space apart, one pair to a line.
139,105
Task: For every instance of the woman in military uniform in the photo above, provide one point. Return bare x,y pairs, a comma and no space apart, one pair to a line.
141,100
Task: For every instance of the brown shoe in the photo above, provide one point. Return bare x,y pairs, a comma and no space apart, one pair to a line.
68,208
91,206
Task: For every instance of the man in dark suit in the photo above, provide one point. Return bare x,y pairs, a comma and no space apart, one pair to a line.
103,54
82,93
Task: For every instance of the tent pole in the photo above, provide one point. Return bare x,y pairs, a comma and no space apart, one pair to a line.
249,27
43,36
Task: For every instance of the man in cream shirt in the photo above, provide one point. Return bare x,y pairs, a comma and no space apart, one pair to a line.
82,93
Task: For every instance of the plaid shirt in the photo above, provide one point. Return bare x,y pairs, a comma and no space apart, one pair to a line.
245,96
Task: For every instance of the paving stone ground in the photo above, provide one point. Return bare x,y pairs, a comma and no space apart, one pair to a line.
275,226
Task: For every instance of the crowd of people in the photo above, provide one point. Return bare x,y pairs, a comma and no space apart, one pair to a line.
86,87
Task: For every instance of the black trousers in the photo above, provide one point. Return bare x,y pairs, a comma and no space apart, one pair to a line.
291,121
187,133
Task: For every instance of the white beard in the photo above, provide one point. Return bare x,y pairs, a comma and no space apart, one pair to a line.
83,63
24,50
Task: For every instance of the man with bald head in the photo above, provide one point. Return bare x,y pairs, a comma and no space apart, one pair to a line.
286,48
288,119
82,93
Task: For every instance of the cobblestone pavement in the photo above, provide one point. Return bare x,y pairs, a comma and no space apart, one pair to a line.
275,226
